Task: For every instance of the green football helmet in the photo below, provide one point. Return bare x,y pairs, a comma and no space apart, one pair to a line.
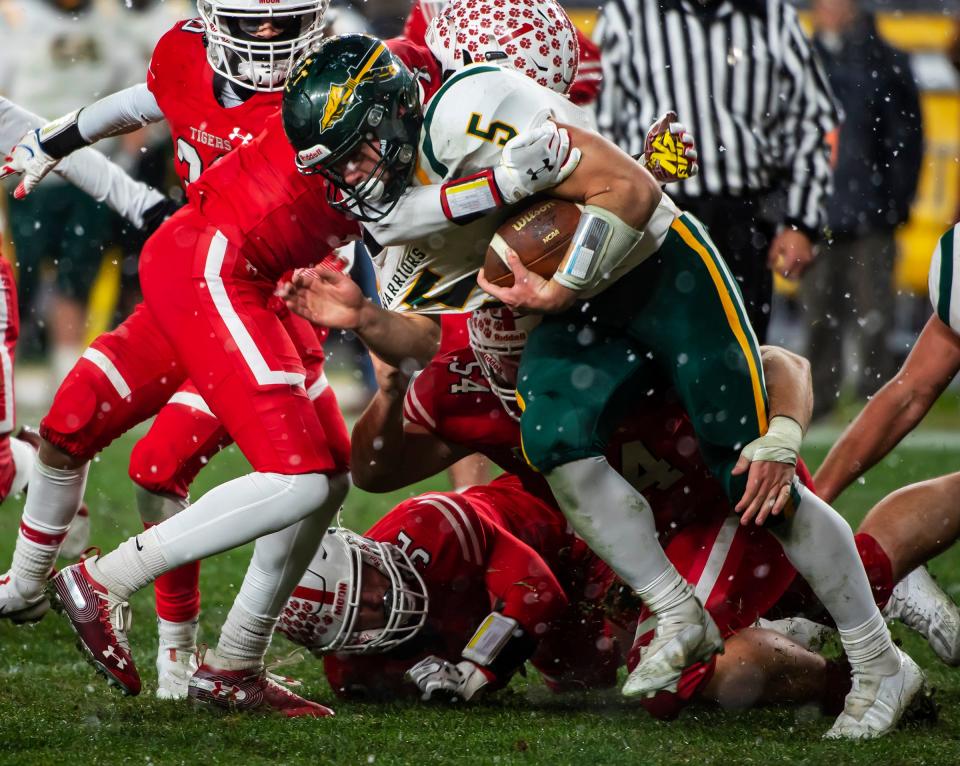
350,104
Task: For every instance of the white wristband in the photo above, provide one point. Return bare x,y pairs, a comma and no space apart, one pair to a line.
780,444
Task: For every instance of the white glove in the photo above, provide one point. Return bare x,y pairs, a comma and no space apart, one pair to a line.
29,159
437,678
669,151
534,161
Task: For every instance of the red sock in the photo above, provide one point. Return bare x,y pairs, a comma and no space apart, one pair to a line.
878,567
178,592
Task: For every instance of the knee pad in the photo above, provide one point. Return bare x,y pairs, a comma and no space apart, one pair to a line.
80,415
157,466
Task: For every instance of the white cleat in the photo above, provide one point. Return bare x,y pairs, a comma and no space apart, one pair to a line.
920,604
18,604
811,635
174,669
78,536
876,704
677,644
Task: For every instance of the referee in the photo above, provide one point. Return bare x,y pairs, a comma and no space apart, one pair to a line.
743,76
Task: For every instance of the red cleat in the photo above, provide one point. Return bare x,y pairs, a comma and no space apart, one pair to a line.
249,691
100,620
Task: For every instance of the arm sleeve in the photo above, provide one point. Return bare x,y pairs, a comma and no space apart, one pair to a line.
86,169
417,215
809,116
121,112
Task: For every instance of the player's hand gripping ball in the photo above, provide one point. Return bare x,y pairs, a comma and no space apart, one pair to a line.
539,235
669,151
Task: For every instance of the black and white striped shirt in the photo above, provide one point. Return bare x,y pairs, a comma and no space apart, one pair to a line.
742,75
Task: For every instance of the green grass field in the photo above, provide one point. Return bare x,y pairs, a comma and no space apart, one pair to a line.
55,710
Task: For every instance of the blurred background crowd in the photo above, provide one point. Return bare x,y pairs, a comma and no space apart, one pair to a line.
834,260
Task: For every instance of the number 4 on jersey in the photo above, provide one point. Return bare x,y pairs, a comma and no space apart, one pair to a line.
644,471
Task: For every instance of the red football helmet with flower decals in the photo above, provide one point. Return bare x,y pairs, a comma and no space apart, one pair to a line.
322,612
535,37
498,338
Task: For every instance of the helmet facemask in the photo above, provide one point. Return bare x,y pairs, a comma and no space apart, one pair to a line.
388,142
236,52
323,611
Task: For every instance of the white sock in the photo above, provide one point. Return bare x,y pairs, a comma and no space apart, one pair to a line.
819,543
669,593
157,507
279,561
617,523
181,636
132,565
869,648
225,518
24,460
52,502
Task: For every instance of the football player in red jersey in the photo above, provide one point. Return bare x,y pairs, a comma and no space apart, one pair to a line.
215,80
458,553
251,217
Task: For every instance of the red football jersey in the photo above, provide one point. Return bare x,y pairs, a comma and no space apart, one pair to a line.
259,200
494,546
182,82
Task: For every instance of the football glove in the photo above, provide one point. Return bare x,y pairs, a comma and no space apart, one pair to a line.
439,679
534,161
669,151
39,151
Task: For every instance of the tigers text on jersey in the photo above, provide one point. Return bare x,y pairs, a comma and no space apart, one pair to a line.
466,123
202,130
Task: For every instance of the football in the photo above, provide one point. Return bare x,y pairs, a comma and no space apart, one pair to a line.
539,235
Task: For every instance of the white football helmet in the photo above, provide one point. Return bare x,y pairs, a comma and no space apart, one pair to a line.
322,612
497,339
239,48
535,37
